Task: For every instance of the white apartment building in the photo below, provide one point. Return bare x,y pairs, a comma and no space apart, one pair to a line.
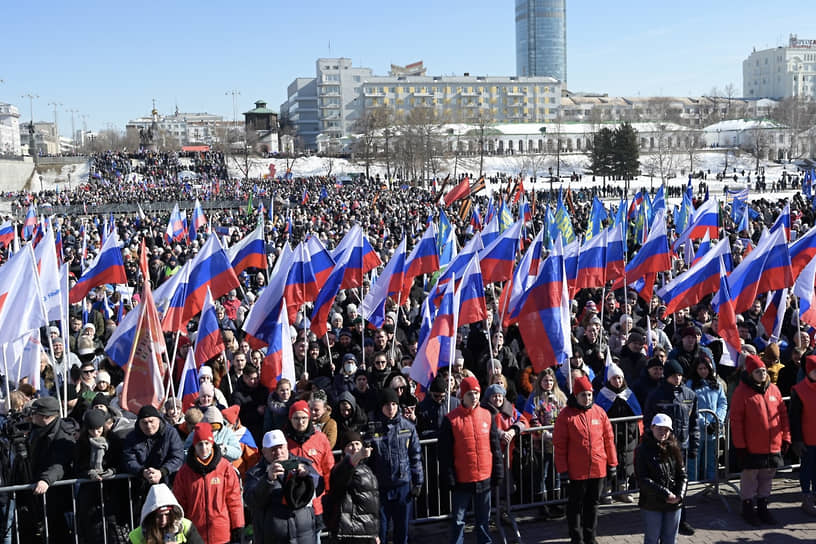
9,129
781,72
186,128
324,109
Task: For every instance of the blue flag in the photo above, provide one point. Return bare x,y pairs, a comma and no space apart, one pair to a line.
596,218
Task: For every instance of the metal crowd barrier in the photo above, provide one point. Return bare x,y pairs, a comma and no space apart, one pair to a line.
531,480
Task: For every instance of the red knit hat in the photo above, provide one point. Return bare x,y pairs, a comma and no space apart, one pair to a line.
202,431
299,406
810,363
469,384
581,384
231,413
752,362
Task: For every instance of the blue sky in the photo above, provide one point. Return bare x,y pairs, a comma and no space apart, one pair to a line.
109,59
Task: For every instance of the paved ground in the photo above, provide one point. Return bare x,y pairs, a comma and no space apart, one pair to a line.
621,523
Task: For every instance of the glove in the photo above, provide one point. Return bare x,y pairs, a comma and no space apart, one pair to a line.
611,472
712,428
236,534
565,479
785,447
692,454
415,491
798,448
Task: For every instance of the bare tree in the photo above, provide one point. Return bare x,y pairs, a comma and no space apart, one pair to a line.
368,129
729,91
759,142
797,116
662,160
690,143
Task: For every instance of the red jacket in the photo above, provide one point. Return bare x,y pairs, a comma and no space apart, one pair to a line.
316,448
583,442
472,454
210,496
759,419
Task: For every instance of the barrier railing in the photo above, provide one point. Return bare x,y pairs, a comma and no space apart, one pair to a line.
531,482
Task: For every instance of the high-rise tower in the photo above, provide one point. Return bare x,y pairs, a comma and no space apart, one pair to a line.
541,39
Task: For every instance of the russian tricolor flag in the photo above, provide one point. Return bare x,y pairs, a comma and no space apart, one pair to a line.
491,231
571,254
175,227
362,259
6,233
423,258
264,316
803,288
388,284
198,222
472,307
321,261
437,349
523,277
544,319
704,219
592,262
783,222
279,361
209,342
654,254
701,279
107,267
705,246
615,251
30,222
766,268
209,268
727,322
301,285
250,252
188,385
325,298
774,314
499,257
802,251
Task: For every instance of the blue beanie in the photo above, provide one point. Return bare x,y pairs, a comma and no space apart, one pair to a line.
495,389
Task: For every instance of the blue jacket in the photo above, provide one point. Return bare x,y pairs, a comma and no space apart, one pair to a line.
397,456
709,398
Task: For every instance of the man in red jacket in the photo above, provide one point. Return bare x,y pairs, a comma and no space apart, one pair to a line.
470,460
208,489
585,454
761,435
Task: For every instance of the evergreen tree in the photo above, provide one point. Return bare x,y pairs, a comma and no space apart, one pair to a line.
602,157
626,154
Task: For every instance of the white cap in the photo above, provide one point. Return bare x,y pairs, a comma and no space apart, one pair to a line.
662,420
205,371
274,438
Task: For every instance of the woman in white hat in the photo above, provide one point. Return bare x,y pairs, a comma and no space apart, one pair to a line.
662,480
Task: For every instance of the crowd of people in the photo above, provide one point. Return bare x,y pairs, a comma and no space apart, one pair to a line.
337,450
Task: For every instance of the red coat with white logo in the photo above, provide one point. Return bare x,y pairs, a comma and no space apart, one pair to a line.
759,419
583,442
470,448
313,445
210,496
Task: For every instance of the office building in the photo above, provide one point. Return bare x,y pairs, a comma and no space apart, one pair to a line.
541,39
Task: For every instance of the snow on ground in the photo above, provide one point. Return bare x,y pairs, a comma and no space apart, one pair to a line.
57,177
513,165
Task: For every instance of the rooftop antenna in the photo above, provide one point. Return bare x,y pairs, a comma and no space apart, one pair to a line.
329,48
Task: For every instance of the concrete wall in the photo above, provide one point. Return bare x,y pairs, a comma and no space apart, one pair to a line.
15,174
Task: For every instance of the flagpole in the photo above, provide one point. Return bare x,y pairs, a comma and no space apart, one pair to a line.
328,347
172,362
8,391
305,338
394,339
229,382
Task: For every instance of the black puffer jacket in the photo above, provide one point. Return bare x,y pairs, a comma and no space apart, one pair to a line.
658,473
352,508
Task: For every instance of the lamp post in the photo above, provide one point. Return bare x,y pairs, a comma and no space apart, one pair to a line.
56,127
455,153
32,145
73,127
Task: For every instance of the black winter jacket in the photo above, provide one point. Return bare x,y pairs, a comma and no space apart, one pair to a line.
273,521
679,403
351,509
658,473
164,451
